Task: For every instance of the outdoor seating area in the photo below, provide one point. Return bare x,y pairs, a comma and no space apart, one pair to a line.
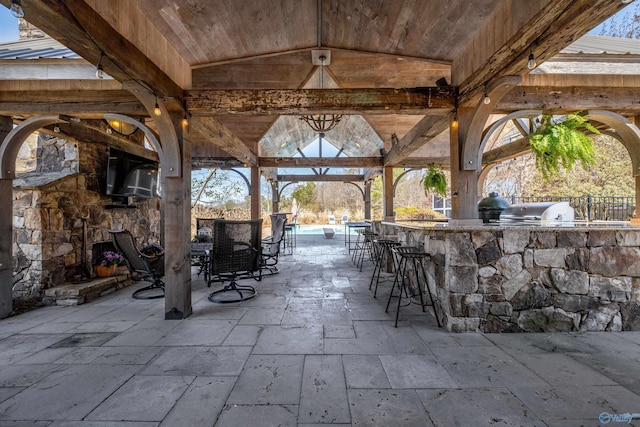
313,345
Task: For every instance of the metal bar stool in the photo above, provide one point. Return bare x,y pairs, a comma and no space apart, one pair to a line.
368,236
415,257
358,244
382,255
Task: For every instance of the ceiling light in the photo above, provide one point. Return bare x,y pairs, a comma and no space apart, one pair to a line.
322,122
156,109
486,100
16,9
185,120
56,129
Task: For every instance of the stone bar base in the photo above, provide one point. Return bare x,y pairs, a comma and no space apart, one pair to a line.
532,279
80,293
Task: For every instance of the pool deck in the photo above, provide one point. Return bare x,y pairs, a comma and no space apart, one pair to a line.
313,348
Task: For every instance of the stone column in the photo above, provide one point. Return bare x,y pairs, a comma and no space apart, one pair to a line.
387,185
255,192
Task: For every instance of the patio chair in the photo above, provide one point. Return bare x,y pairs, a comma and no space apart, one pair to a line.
143,267
235,256
271,244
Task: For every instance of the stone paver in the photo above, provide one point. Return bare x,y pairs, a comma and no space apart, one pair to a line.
313,348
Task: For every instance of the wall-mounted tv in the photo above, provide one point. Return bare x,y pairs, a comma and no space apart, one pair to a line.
130,175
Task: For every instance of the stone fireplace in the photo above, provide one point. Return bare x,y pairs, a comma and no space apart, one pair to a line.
58,195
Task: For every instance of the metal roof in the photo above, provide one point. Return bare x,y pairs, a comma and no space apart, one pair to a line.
593,44
36,49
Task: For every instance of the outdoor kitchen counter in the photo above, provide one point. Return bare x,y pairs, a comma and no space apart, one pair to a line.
534,278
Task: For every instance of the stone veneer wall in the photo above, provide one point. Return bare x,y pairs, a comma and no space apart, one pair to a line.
65,186
516,279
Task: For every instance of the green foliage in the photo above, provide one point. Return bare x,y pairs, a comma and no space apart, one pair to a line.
435,180
562,143
305,194
610,175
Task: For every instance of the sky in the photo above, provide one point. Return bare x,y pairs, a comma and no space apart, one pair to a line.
8,26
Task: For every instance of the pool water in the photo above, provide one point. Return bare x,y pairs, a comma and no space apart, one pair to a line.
317,229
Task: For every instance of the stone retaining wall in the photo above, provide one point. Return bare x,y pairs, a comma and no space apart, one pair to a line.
534,279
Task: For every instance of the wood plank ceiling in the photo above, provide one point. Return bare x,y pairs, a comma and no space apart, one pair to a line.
180,48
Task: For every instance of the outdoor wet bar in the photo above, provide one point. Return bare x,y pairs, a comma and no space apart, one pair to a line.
530,278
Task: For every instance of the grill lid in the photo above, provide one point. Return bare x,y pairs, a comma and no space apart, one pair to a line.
541,211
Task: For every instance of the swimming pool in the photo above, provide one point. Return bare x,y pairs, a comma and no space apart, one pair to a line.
317,229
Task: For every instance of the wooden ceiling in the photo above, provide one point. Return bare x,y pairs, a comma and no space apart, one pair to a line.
180,49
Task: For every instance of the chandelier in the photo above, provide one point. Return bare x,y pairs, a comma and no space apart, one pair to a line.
321,122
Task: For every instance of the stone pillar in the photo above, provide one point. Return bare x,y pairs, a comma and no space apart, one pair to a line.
387,191
464,183
367,200
255,192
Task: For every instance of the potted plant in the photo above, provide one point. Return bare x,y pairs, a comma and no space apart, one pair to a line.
435,180
561,140
107,263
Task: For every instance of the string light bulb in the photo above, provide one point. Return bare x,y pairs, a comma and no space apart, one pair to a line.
454,122
99,70
486,100
531,63
56,129
16,9
156,109
185,120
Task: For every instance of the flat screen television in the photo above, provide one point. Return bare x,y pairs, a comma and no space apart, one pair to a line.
130,175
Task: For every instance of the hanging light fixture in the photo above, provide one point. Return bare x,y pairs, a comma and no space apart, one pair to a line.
486,100
99,70
16,9
156,109
322,122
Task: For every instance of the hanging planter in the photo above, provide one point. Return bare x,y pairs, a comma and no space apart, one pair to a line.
435,180
562,141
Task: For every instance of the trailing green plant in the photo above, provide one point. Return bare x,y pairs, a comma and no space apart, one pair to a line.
435,180
562,141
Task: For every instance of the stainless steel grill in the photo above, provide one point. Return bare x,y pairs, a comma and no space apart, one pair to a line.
539,213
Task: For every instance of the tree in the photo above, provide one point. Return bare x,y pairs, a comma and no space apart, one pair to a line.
305,194
214,188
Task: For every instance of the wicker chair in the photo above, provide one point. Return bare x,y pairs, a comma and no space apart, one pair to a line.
271,245
235,256
143,267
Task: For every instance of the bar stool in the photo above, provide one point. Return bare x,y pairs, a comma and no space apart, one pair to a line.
358,244
408,255
382,251
366,247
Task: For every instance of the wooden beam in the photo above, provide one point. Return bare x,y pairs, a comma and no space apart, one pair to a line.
321,178
70,102
508,151
307,162
557,24
428,100
422,133
75,24
569,99
218,134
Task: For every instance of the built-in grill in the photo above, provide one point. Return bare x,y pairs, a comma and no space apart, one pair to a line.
538,213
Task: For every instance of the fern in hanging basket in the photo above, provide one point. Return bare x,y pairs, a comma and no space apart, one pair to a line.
435,180
562,142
